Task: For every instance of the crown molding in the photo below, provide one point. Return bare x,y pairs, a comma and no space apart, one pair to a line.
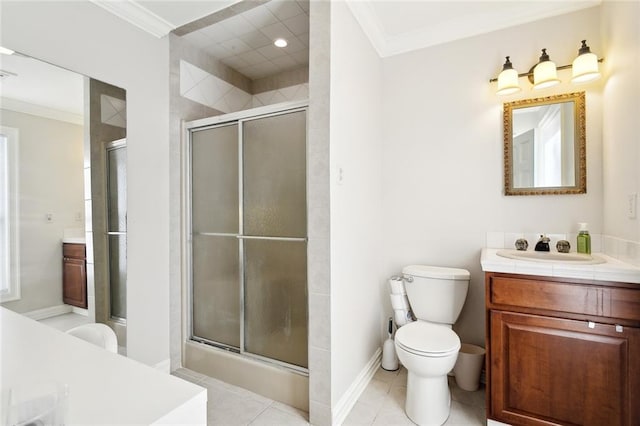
135,14
367,18
40,111
447,31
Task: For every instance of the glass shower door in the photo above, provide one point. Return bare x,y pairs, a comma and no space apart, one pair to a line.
215,228
249,237
117,228
275,243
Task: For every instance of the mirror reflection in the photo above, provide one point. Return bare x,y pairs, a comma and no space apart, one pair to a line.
54,124
544,143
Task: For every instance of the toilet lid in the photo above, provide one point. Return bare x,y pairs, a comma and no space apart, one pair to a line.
423,337
437,272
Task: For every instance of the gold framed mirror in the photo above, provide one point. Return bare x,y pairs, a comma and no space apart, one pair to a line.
545,145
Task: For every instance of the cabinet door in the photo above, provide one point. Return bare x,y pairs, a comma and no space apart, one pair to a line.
74,282
556,371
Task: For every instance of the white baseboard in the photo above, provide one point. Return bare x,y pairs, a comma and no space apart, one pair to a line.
164,366
49,312
350,397
80,311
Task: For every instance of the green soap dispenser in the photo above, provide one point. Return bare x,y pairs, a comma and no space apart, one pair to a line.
584,239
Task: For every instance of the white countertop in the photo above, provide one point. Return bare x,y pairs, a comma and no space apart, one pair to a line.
611,270
104,387
74,240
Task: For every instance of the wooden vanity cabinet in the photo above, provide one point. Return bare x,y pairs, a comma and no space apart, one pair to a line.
562,351
74,275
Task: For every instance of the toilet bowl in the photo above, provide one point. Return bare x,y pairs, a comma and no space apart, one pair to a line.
428,348
428,352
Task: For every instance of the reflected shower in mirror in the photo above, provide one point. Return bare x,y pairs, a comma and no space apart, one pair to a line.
54,118
544,145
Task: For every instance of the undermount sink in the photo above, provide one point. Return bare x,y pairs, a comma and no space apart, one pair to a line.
554,257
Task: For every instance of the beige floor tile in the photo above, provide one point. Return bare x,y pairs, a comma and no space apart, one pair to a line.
392,420
65,322
467,408
394,402
386,376
375,392
463,416
361,414
291,410
275,417
231,409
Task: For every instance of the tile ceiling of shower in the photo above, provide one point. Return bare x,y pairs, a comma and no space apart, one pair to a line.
245,41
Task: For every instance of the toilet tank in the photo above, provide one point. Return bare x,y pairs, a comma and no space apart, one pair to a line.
436,294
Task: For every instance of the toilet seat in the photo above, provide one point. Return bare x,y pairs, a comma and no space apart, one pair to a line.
428,340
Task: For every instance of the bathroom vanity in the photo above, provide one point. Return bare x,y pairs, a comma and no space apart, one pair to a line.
74,274
563,342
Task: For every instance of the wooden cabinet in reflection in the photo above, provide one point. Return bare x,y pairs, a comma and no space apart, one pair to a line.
562,351
74,275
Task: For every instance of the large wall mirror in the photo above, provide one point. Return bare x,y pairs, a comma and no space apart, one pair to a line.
545,145
55,125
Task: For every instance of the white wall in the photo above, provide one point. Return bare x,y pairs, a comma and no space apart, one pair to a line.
84,38
621,140
443,149
51,181
356,209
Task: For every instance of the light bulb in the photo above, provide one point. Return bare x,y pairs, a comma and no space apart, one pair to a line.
585,66
545,73
508,79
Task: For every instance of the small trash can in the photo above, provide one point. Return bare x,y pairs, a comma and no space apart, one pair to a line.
469,366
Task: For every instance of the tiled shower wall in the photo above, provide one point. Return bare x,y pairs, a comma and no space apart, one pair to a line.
205,88
200,87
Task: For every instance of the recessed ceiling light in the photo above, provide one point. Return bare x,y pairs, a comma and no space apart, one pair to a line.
280,42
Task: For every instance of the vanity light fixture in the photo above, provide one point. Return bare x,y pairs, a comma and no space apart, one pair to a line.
508,79
280,42
544,74
585,66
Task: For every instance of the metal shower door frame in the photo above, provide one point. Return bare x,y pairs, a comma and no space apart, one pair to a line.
220,121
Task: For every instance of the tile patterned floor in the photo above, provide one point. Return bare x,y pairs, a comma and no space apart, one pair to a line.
382,403
230,405
65,322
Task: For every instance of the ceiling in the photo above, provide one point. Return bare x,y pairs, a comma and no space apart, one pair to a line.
244,41
393,26
35,87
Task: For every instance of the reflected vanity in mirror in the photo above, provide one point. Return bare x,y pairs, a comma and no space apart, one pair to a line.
545,145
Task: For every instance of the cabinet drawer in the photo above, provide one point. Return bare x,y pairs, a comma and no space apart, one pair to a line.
625,303
76,251
548,295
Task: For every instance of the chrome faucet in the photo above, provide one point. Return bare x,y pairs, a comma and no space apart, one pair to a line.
543,243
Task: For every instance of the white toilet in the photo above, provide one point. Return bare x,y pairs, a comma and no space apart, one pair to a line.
428,347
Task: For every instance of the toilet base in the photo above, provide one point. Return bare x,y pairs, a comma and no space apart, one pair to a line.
428,400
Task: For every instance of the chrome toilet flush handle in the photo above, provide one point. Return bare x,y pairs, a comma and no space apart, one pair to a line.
407,278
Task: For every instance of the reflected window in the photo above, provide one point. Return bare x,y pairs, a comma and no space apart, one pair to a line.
9,248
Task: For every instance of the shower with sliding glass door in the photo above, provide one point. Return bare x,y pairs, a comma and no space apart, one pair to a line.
247,235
